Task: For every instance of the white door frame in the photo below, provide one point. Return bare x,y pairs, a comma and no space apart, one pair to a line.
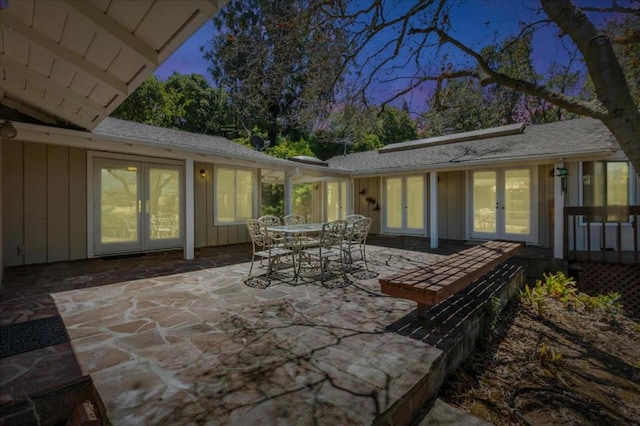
93,215
500,232
404,229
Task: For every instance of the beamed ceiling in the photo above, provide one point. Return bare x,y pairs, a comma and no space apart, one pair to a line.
72,62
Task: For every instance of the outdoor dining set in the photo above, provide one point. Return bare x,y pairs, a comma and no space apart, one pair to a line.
306,251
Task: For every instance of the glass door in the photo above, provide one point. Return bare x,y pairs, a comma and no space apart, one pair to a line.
137,206
117,206
404,205
336,200
163,206
501,204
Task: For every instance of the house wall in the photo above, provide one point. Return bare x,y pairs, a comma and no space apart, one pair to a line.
451,205
545,205
207,234
45,187
371,187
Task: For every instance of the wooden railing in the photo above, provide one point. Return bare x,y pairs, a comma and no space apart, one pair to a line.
614,229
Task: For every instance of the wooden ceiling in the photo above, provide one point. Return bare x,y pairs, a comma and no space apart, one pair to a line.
72,62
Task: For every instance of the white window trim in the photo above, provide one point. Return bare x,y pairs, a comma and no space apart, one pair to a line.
631,189
255,194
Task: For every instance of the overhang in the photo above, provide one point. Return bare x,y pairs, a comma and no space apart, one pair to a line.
70,63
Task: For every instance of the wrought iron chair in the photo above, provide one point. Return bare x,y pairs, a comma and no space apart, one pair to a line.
356,240
350,218
270,220
294,219
330,246
266,246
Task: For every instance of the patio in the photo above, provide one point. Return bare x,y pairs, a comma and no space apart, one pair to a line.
187,342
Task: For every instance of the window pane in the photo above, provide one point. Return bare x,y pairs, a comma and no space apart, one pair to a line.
605,184
517,201
393,204
484,201
303,199
415,202
332,201
164,203
119,204
245,195
225,197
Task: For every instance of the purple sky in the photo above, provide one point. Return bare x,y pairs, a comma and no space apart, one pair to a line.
470,26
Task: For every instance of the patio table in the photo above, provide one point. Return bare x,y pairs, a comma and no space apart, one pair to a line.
295,232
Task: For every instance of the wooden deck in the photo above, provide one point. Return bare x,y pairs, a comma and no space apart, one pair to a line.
432,284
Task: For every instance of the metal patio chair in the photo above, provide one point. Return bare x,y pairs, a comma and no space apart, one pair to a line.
329,247
355,240
266,246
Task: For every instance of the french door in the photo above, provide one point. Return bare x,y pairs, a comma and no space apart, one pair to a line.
502,204
404,205
137,206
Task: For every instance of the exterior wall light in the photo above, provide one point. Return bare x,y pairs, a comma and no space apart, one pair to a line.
203,173
7,131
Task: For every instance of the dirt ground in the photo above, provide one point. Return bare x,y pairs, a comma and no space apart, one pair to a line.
552,363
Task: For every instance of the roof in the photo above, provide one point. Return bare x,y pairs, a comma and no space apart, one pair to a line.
179,139
71,63
563,139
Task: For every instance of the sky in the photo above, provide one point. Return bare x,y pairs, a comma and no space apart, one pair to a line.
476,22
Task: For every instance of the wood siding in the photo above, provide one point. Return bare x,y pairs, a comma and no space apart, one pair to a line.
45,185
371,187
451,205
545,205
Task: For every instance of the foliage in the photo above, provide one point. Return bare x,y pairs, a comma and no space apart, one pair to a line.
559,286
288,148
425,39
184,102
151,104
278,60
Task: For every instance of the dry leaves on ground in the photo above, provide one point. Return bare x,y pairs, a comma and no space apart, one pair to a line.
554,362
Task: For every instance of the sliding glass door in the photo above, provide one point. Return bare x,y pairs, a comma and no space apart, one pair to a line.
137,206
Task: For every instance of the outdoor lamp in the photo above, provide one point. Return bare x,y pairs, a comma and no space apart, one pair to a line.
203,173
7,130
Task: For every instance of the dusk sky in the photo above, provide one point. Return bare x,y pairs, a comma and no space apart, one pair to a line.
475,23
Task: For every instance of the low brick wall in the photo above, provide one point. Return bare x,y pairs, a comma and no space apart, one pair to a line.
453,326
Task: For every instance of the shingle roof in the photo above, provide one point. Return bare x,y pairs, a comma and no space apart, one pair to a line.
178,139
569,138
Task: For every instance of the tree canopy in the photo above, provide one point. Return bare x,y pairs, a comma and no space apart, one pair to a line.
419,42
279,61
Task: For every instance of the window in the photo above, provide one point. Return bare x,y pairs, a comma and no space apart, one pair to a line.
234,195
605,183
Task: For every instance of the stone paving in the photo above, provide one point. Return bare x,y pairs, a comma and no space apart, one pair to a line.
168,341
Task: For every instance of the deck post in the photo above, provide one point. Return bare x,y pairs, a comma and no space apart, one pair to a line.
433,209
558,213
189,210
288,192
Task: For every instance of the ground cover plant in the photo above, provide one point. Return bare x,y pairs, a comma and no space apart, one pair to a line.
556,356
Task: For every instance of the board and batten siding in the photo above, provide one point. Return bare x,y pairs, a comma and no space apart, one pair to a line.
44,198
451,205
371,187
545,204
207,234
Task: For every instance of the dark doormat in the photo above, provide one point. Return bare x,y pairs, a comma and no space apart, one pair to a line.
31,335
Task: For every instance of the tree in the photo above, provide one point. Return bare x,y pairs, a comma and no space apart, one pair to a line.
278,60
151,104
204,109
421,36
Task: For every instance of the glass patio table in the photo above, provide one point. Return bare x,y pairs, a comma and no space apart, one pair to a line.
295,236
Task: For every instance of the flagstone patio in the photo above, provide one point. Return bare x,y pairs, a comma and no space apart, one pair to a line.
168,341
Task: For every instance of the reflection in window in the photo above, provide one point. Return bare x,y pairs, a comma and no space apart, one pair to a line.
234,195
605,183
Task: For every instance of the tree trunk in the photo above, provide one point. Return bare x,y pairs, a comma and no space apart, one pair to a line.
622,117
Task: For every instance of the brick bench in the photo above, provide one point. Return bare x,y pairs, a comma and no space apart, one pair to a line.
432,284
